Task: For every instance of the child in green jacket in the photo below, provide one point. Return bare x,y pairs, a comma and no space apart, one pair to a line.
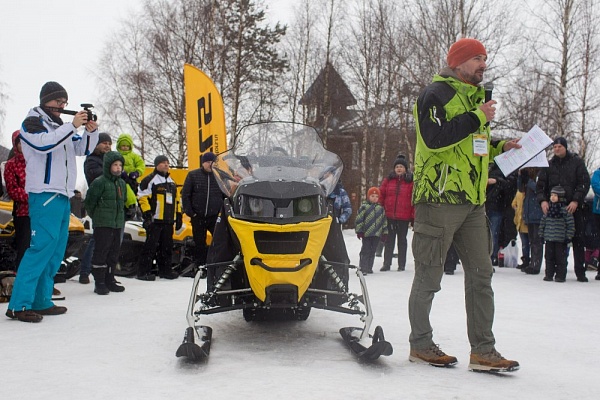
371,227
134,164
105,203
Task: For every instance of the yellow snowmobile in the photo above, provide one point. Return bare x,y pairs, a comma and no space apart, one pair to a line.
70,264
277,252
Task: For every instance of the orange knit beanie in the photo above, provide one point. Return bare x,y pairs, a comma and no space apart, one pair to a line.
463,50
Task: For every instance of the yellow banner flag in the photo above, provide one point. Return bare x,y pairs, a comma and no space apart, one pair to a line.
205,116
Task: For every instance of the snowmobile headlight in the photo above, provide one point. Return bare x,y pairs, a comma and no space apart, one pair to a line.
305,205
256,205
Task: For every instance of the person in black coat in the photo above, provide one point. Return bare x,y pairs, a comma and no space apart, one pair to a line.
568,170
201,200
499,194
93,165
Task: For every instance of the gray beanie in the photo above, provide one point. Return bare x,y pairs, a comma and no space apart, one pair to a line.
104,137
52,91
401,160
160,159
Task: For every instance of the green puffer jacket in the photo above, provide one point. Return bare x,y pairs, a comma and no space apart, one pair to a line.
133,161
105,199
447,115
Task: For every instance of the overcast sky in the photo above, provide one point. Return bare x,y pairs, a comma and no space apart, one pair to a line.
60,40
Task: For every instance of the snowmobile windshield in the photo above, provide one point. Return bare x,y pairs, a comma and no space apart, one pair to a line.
277,152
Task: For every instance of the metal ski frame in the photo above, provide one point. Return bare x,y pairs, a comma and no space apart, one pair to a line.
197,339
366,315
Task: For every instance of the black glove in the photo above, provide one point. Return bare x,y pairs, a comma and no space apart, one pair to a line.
147,215
134,175
178,221
130,212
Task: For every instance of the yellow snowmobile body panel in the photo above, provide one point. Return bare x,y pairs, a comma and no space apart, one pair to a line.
261,278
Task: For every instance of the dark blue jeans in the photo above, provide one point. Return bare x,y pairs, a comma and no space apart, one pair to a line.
495,218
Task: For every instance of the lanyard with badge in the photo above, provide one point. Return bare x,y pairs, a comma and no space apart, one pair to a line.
480,139
480,144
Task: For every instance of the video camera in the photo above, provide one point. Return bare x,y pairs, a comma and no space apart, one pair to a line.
91,116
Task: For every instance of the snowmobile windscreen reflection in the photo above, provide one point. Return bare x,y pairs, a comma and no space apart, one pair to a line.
270,156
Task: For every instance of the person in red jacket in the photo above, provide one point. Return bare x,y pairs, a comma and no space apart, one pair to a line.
396,199
14,176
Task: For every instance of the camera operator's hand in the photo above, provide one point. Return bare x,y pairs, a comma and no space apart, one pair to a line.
80,119
91,126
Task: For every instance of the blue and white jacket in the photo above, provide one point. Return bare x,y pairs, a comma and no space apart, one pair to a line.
50,147
342,208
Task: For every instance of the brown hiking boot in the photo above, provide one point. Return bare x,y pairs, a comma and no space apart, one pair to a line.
25,315
54,310
492,362
432,356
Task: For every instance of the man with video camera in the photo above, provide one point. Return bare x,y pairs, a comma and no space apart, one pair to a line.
50,147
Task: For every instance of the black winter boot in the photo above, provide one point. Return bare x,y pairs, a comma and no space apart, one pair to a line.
111,282
168,274
99,273
524,264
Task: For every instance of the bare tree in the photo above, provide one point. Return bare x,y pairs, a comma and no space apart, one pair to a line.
587,86
558,89
299,45
253,59
531,102
141,75
557,36
375,74
3,99
141,69
436,25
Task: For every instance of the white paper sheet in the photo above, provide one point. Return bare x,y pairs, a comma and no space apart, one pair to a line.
533,144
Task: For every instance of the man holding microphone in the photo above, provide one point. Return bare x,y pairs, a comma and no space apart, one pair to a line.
453,151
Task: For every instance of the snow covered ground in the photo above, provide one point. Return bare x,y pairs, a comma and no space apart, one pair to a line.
122,346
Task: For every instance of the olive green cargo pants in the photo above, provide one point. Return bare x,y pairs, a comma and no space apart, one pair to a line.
436,227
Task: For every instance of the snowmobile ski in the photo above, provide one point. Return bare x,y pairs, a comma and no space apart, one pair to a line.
379,347
190,349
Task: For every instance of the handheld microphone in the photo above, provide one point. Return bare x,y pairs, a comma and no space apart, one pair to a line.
488,87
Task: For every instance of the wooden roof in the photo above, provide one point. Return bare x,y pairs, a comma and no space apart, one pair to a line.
339,94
